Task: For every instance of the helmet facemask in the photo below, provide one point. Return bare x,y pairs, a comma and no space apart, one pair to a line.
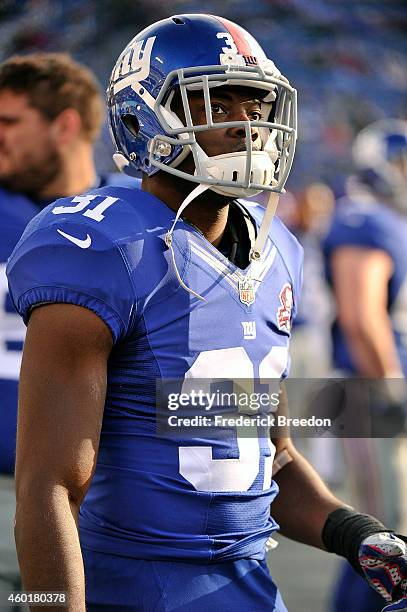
151,76
238,174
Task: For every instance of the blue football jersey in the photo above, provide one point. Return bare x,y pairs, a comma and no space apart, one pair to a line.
373,225
16,210
155,496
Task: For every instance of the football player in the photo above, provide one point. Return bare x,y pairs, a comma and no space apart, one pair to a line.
124,289
367,263
51,112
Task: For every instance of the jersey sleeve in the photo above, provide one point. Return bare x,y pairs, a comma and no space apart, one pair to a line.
354,228
67,264
297,276
297,287
292,253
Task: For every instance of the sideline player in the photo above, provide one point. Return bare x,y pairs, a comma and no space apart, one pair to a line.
51,113
367,261
178,281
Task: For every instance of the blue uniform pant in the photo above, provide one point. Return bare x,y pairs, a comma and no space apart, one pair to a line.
123,584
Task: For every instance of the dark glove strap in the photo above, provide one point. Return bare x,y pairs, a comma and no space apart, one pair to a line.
344,531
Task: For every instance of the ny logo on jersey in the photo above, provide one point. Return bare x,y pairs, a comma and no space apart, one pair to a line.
249,330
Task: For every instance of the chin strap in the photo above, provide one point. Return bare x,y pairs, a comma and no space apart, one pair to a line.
255,253
257,248
168,236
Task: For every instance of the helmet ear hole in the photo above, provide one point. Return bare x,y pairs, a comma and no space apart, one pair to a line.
131,123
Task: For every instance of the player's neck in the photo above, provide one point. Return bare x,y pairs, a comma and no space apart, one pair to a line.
208,212
77,174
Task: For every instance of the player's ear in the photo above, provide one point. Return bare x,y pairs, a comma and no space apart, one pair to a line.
67,126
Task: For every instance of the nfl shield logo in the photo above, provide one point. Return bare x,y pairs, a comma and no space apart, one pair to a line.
246,291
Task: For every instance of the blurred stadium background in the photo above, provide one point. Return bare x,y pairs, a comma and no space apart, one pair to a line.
347,59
